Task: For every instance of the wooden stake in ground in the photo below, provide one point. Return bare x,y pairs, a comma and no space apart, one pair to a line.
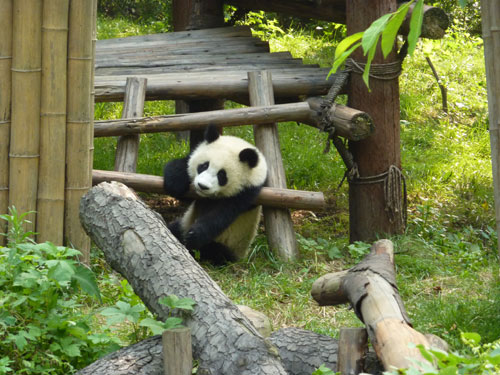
370,211
79,119
278,222
5,100
127,147
50,203
138,244
490,10
370,288
25,126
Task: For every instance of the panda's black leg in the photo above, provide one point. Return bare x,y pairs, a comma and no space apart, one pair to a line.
175,228
216,253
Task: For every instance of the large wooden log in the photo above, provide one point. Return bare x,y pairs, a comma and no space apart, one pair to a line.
137,244
127,146
348,122
370,288
301,353
273,197
278,222
233,84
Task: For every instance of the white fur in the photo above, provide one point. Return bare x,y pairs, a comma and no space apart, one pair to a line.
224,153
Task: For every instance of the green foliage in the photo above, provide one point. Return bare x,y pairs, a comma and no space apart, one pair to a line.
144,11
263,25
323,370
482,360
42,327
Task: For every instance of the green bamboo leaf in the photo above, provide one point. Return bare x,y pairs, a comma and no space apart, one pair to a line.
338,62
346,43
415,25
391,30
371,54
372,34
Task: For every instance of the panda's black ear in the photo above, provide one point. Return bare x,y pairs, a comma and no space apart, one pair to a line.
211,133
249,156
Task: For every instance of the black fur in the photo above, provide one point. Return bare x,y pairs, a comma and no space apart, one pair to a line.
176,180
211,133
249,156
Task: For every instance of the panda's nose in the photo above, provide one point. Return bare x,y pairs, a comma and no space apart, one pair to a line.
202,187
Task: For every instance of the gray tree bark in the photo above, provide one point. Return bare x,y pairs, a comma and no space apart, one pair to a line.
137,244
301,351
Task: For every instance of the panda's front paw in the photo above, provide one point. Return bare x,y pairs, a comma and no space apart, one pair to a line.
194,239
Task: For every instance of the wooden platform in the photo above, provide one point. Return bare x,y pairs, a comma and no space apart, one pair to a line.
201,64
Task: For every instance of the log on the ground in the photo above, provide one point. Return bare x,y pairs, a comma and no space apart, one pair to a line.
301,353
273,197
370,288
137,244
348,122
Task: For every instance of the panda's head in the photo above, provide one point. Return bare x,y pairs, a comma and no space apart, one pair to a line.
223,166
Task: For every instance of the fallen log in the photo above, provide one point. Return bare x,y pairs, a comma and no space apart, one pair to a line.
273,197
138,245
301,353
348,122
370,288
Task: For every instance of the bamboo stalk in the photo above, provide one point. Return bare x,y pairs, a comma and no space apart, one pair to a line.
5,101
92,92
50,217
79,119
491,36
25,126
272,197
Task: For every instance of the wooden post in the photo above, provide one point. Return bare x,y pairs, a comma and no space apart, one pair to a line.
177,351
79,119
353,345
5,101
127,147
25,126
50,204
491,35
375,155
279,225
197,15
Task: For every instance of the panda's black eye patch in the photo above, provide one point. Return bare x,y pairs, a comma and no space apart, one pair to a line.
202,167
222,177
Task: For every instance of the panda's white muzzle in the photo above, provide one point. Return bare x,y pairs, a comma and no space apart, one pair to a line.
206,184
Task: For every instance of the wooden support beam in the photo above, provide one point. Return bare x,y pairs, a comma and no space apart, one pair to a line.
127,146
273,197
370,288
368,206
278,222
348,122
177,352
434,24
353,346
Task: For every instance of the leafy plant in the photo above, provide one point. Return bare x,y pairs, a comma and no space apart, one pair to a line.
320,246
42,327
485,360
323,370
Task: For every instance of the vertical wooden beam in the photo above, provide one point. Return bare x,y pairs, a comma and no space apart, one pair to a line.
374,156
490,10
196,15
79,120
50,204
25,126
353,345
177,351
127,147
279,225
5,101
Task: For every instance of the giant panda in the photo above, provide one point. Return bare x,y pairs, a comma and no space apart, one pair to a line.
227,174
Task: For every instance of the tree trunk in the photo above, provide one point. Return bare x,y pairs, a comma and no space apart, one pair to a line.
137,244
370,288
368,207
301,353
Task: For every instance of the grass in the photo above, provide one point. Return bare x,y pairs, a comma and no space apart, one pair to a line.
447,268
